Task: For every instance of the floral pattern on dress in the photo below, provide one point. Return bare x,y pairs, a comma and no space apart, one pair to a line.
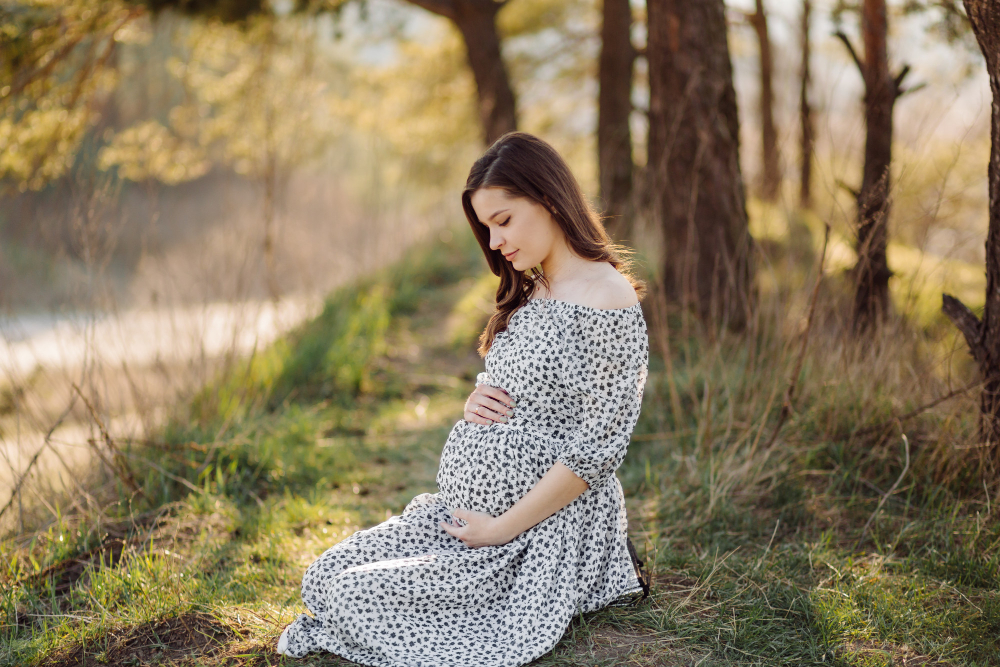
405,593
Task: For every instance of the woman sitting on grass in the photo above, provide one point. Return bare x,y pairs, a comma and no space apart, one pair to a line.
528,527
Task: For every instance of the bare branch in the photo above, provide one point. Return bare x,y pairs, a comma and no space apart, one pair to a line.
914,412
786,405
892,490
966,322
45,443
898,81
911,89
122,469
850,49
847,187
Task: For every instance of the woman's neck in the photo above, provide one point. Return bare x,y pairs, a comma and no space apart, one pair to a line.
566,271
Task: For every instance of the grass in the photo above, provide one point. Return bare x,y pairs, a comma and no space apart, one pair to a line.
757,554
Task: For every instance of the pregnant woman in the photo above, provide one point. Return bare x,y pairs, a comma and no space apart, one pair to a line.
528,526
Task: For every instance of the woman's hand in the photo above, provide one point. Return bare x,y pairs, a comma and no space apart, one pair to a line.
480,530
488,405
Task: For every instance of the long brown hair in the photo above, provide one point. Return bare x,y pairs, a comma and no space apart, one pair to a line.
525,166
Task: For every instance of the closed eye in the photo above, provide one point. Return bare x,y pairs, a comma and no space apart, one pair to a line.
504,223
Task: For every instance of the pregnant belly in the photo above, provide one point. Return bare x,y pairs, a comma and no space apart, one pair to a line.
489,468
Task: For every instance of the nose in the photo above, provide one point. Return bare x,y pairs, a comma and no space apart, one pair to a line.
496,239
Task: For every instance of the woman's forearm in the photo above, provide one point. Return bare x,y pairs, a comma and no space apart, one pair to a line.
557,488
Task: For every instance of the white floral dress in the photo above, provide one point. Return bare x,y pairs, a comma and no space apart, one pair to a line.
406,593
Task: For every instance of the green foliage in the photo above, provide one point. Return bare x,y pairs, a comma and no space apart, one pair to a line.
56,62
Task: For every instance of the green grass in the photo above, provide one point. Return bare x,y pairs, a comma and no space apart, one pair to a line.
757,554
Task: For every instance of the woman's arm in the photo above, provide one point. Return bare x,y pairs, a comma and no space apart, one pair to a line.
557,488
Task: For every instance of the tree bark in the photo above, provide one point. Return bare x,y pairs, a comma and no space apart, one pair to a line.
614,107
770,182
871,296
476,20
806,119
983,336
694,167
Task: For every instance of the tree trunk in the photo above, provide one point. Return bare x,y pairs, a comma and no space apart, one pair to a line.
476,20
614,137
983,336
806,119
694,161
770,182
871,298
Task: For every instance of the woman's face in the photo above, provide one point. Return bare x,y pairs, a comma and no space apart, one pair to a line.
521,229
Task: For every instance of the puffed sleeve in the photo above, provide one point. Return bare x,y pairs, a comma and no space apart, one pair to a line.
604,367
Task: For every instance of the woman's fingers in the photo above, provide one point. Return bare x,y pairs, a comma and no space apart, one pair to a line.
496,407
458,532
488,405
497,401
478,412
495,395
471,415
450,529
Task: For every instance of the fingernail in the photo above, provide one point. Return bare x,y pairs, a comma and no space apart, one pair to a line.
510,412
503,419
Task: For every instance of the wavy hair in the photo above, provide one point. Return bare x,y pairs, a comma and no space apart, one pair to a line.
523,165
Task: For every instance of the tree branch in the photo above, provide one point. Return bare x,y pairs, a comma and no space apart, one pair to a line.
855,193
898,81
911,89
850,49
22,82
966,322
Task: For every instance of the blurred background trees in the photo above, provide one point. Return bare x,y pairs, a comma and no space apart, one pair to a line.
175,151
234,226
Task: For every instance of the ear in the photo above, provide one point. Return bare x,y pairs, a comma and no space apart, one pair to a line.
550,205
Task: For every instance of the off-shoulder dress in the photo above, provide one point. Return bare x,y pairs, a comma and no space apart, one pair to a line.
406,593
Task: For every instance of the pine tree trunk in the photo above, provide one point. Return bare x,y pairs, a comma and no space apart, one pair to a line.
770,182
806,120
694,164
983,336
871,298
476,20
614,137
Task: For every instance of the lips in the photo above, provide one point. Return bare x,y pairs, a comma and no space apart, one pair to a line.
511,255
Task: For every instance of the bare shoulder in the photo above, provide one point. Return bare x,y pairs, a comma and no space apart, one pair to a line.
611,291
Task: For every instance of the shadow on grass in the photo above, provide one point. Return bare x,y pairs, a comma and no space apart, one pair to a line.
164,641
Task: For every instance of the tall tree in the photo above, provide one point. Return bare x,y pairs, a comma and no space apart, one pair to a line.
806,119
614,106
770,182
882,89
476,20
694,160
983,335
